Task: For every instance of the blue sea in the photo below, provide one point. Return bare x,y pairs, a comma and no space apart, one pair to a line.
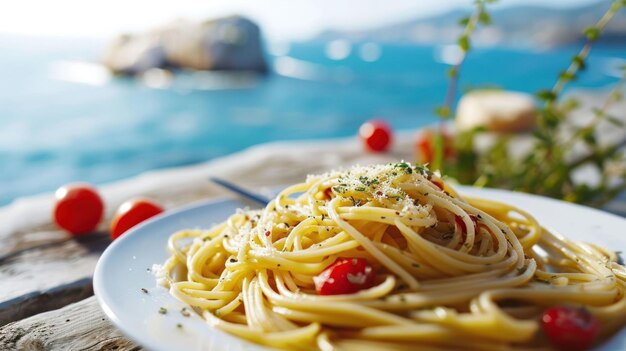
60,121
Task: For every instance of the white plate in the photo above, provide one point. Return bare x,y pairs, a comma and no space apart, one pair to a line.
122,271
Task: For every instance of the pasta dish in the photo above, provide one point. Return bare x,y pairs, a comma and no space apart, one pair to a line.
389,257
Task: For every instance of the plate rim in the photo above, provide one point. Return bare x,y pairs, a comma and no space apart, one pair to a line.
98,283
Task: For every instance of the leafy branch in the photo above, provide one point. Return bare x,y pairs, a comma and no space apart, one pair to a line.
550,118
592,34
479,16
546,168
587,133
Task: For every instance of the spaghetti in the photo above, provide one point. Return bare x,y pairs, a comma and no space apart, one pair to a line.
447,272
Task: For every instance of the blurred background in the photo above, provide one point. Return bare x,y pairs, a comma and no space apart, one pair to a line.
102,90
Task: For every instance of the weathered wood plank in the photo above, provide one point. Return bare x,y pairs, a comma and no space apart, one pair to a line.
79,326
45,265
42,301
47,269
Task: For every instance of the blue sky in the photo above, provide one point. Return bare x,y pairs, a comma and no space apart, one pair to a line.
280,19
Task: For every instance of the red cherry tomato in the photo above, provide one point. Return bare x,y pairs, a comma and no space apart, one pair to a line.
345,276
461,224
131,213
425,146
438,183
570,328
78,208
376,135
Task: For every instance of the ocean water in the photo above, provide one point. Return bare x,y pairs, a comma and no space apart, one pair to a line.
60,124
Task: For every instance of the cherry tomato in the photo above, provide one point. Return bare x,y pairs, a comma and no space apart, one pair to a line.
461,224
345,276
376,135
131,213
425,146
438,183
570,328
78,208
328,193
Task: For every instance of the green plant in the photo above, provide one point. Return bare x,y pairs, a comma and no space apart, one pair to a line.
479,16
547,168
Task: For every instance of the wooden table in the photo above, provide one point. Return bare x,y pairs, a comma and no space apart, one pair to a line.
46,295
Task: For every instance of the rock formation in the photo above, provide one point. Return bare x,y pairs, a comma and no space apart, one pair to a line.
232,43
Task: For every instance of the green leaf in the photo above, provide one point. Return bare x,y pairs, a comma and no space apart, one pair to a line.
484,18
550,119
566,76
421,168
615,121
443,112
616,95
546,95
479,129
589,136
598,112
592,33
464,43
453,72
580,62
541,135
464,21
570,104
